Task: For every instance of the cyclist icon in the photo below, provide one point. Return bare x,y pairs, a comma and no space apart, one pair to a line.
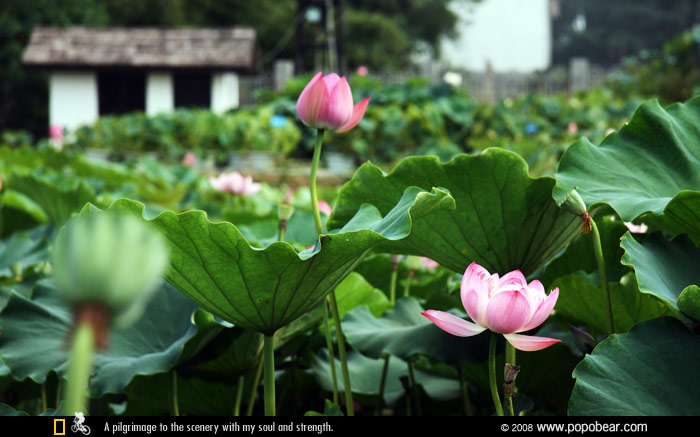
78,424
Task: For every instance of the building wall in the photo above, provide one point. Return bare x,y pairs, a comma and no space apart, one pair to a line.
160,94
73,98
513,35
224,91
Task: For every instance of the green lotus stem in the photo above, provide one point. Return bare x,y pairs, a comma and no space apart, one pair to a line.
465,392
598,251
175,406
256,384
312,182
510,358
269,381
59,388
44,403
79,370
382,382
407,286
509,402
349,407
334,305
392,285
331,353
239,396
280,233
492,375
414,390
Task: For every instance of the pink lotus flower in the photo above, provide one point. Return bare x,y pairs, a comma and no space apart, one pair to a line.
572,128
235,183
362,70
324,207
56,132
506,305
326,103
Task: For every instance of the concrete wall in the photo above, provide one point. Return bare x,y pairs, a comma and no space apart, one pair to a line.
73,98
224,91
513,35
160,93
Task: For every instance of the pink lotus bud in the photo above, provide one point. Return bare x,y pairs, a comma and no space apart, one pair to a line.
324,207
189,159
326,103
506,305
362,70
573,128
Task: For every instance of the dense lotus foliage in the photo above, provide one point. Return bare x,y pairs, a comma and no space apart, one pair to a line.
585,293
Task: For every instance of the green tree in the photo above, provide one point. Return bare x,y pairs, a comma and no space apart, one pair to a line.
614,29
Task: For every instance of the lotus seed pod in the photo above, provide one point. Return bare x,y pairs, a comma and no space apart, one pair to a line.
414,262
109,259
284,211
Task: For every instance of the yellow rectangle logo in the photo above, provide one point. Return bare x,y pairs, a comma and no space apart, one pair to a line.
63,426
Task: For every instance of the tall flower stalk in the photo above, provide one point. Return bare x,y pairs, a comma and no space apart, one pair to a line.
575,205
326,103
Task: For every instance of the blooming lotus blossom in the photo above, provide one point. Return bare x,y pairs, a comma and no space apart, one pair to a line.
324,207
326,103
506,305
235,183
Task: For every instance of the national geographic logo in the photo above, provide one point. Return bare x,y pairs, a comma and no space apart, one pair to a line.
59,427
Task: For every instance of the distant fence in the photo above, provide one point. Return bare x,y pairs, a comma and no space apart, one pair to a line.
483,86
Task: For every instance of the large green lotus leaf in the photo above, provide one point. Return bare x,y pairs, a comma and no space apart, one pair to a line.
366,373
265,289
683,211
233,352
641,167
353,292
504,219
6,410
25,248
580,302
404,332
663,268
645,372
59,199
35,334
149,395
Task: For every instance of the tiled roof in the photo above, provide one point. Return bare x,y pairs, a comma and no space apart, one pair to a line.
229,48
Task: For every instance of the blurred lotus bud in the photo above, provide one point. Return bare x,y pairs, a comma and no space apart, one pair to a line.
110,260
584,341
573,203
189,159
572,128
362,70
284,212
17,270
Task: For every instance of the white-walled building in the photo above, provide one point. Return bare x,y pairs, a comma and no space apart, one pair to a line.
511,35
96,72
